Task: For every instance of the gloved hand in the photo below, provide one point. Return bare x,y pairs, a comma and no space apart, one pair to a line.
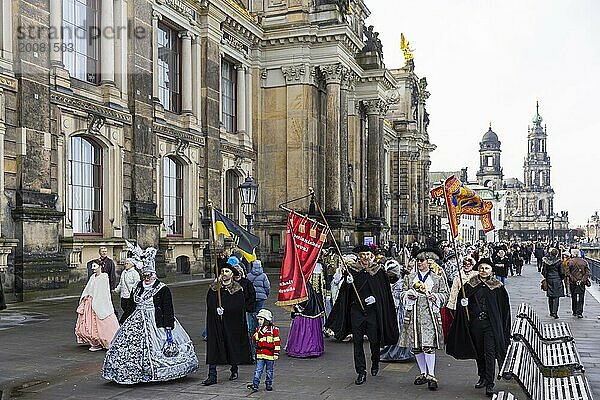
370,300
275,357
349,279
220,310
169,336
464,302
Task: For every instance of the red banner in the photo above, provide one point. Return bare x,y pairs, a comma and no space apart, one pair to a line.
303,243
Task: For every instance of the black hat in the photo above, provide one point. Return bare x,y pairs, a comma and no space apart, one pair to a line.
483,261
429,253
361,248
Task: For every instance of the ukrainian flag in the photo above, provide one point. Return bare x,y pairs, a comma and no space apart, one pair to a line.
244,240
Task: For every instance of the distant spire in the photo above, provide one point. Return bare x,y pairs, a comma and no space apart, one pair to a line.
490,125
537,119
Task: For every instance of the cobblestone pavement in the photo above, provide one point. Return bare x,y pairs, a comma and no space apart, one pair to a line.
41,360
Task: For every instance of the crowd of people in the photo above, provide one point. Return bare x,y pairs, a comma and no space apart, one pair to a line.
409,303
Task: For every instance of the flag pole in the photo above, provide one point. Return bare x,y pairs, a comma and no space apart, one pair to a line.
312,192
458,266
214,246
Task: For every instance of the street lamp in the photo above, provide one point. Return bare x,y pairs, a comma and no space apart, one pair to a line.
551,229
248,191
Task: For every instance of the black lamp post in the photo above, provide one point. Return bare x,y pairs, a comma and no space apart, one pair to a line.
551,229
248,191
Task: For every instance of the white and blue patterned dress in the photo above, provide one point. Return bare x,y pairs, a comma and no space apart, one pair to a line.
136,352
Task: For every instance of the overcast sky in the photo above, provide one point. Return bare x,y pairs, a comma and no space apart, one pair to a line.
489,61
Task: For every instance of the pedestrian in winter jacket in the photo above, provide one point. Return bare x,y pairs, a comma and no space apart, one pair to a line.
260,281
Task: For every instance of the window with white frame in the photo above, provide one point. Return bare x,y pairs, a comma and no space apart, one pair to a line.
169,68
79,16
173,196
228,95
85,186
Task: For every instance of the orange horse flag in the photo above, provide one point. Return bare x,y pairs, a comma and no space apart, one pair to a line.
462,200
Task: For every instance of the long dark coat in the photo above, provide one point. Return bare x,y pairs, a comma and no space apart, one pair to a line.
460,344
339,318
227,341
554,273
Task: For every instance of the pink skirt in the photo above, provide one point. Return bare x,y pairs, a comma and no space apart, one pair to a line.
93,330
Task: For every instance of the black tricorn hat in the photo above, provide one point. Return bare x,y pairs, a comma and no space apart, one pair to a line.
361,248
483,261
429,253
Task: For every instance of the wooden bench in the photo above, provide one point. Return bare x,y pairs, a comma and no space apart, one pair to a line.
520,364
554,358
502,395
554,331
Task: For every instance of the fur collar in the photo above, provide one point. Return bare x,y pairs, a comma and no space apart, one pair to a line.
550,260
491,283
234,287
372,269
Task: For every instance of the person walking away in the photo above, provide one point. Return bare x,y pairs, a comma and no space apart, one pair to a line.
268,346
485,334
372,312
578,274
553,273
539,254
129,278
517,260
96,321
501,266
262,287
566,256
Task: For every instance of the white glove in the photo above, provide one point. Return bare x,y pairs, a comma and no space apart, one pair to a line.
464,302
337,277
370,300
220,310
349,279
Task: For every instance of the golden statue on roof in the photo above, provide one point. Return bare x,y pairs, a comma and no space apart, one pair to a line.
405,47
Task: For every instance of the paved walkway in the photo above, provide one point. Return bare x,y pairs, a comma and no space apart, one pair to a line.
42,361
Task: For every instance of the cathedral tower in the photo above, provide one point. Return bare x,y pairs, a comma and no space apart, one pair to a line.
490,173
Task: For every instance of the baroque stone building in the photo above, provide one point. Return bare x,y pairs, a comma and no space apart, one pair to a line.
127,123
530,204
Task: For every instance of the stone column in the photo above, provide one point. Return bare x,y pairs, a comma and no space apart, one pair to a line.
413,201
155,18
332,139
121,46
107,43
382,166
241,99
56,23
186,73
249,103
344,183
196,76
373,161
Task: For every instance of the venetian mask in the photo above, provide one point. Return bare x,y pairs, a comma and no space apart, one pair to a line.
485,270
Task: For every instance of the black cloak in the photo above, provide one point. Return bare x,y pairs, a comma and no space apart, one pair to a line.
227,336
460,344
339,318
164,315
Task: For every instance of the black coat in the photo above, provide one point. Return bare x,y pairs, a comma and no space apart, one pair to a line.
554,273
460,343
501,266
164,315
339,318
227,339
249,294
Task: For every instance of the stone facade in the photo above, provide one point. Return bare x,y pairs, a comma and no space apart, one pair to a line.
314,107
592,229
530,205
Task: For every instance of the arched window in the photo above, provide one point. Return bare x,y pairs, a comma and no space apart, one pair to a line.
508,204
173,196
232,198
85,186
541,205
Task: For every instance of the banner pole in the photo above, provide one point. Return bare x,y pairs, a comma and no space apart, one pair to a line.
312,192
214,246
458,266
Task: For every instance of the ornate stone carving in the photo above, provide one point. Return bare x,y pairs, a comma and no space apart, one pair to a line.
333,73
375,106
8,83
68,101
349,79
423,93
95,123
294,73
264,73
181,146
372,41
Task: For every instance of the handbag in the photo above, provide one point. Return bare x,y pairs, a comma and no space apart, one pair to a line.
544,285
170,349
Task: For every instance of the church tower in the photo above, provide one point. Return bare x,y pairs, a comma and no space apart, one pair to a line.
490,173
537,167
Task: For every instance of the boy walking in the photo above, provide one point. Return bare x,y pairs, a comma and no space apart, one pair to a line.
268,346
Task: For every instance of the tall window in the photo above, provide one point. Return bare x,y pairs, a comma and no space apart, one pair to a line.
78,17
169,68
232,197
85,186
228,95
173,196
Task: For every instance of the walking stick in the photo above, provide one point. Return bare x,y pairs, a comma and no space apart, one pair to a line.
214,243
312,192
458,266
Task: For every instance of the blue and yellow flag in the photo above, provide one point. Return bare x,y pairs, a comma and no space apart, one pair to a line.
244,240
